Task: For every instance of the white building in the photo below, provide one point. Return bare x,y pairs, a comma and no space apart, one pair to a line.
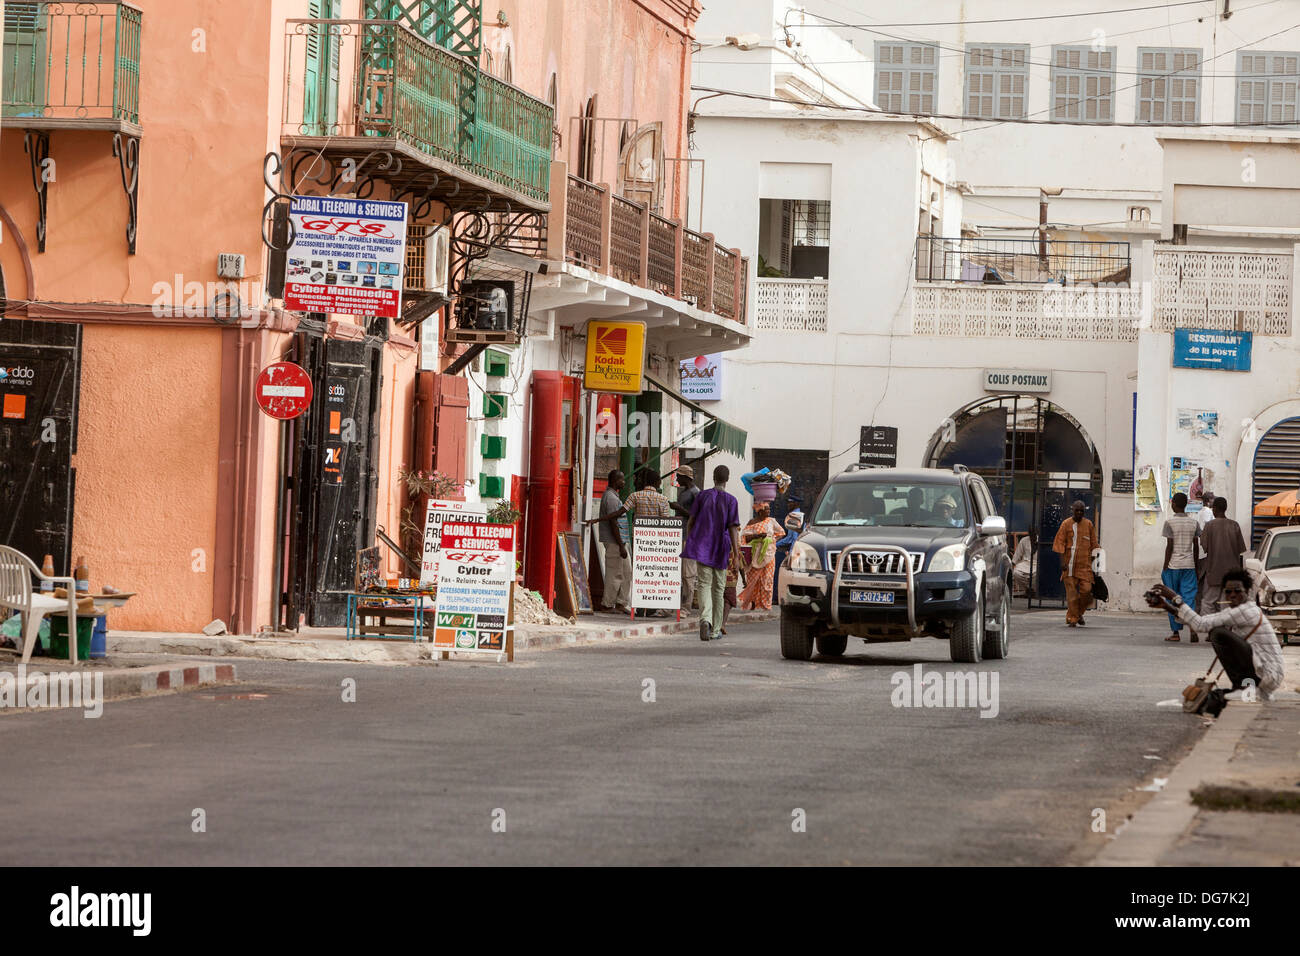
916,265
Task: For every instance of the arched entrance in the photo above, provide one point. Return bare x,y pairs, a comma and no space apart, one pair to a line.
1276,467
1036,459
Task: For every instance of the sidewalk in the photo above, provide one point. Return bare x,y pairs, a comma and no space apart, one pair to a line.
329,644
1234,801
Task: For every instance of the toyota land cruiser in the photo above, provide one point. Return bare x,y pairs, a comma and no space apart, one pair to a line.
892,554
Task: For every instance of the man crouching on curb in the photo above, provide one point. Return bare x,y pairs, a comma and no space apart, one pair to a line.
1242,636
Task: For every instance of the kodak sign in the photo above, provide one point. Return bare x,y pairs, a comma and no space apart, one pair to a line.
615,357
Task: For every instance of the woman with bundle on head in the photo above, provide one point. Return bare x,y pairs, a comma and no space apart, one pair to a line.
761,535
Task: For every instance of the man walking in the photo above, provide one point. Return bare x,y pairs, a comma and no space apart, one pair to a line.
1203,519
686,495
1182,559
713,542
1075,542
618,569
1223,545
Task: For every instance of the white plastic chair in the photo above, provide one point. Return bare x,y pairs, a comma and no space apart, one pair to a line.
16,570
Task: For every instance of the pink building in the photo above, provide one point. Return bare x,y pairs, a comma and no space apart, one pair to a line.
146,151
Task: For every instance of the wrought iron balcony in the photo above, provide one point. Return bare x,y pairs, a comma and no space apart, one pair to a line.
610,234
1008,261
71,66
356,87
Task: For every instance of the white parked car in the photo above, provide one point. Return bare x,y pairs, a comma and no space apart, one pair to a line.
1275,566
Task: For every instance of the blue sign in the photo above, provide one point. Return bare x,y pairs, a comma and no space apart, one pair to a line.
1212,349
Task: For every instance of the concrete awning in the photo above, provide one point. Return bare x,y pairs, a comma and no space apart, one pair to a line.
568,295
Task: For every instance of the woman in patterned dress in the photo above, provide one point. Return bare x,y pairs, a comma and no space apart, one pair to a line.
760,534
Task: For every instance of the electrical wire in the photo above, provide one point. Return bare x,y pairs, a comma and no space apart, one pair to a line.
958,51
1053,16
961,116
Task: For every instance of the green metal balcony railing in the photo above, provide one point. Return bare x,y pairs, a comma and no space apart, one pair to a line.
74,65
377,78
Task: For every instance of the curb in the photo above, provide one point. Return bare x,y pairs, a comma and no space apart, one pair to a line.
1155,829
121,682
527,638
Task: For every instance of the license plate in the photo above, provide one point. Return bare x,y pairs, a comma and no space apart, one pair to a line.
871,597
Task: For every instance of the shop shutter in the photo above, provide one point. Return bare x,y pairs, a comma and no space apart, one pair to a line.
451,427
1277,468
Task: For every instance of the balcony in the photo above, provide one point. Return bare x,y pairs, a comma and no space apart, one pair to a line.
1034,261
354,87
613,257
71,66
1025,289
790,305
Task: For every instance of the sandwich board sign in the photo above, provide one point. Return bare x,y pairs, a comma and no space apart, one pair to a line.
657,563
476,572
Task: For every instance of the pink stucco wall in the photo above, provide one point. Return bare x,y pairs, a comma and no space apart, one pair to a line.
146,470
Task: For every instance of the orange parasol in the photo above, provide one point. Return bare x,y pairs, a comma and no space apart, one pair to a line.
1280,505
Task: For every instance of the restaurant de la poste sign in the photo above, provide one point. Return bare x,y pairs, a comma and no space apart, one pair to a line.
346,256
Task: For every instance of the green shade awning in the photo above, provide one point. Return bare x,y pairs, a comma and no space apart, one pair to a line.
721,435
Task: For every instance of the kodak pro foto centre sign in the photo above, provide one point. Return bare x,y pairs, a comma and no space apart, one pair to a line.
615,357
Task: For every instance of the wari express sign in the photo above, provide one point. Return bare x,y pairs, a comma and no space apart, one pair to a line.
476,571
346,257
615,357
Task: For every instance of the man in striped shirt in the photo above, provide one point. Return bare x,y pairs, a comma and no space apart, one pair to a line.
1182,559
1241,634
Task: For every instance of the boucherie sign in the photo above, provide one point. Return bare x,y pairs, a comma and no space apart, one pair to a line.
702,378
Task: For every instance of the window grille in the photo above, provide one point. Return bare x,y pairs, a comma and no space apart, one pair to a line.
907,77
1169,86
1083,84
997,80
1266,87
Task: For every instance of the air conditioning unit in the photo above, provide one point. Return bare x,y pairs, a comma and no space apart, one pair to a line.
437,261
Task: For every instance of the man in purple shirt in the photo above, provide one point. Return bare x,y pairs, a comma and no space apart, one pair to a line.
713,542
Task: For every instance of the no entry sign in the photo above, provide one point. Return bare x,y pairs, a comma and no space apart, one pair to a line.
283,390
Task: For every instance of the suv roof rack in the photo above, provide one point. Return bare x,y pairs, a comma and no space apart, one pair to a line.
959,469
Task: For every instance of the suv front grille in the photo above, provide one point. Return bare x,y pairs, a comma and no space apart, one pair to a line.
876,562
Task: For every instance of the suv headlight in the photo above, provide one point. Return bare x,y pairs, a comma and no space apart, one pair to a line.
1294,597
1279,597
951,558
804,557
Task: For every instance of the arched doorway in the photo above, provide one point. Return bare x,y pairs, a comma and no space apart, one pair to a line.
1036,459
1276,468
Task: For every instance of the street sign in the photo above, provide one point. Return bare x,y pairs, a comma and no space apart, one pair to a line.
283,390
1017,380
347,256
878,446
615,357
476,571
1212,349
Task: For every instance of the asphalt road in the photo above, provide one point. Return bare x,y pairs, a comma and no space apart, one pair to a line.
562,749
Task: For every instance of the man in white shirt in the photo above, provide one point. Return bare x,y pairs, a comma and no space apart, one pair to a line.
1242,636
